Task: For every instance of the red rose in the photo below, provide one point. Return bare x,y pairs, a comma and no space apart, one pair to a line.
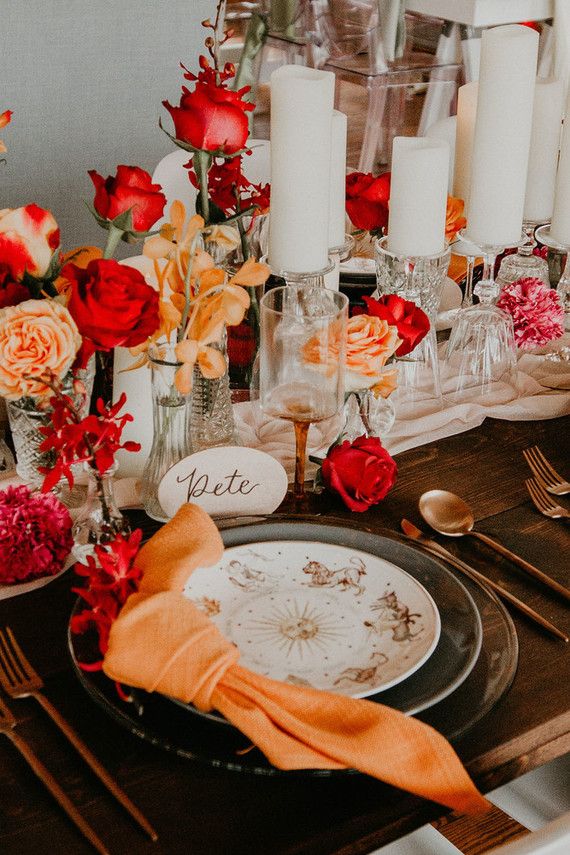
361,472
212,117
367,200
111,304
11,293
412,322
131,188
241,345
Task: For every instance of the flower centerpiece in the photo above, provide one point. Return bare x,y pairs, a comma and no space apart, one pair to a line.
211,124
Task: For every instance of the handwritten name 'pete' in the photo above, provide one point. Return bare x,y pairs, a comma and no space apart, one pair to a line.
228,485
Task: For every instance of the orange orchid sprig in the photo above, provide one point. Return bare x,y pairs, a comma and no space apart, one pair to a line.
221,302
5,119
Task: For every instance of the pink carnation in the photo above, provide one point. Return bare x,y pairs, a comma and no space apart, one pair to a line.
35,535
537,313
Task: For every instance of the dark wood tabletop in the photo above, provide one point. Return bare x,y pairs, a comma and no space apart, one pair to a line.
197,809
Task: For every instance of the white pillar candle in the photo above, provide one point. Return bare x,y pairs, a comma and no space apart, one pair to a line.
501,141
301,117
560,226
544,145
466,112
445,130
418,196
337,201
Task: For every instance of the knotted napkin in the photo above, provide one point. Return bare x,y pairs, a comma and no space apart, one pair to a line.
162,642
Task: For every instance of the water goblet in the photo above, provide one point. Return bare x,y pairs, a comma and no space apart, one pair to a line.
301,366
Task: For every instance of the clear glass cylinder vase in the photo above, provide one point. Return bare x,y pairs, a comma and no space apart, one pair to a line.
99,521
212,419
27,415
171,427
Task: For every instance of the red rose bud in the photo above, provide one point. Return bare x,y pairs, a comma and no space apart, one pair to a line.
367,200
411,321
241,345
212,117
130,189
361,472
111,304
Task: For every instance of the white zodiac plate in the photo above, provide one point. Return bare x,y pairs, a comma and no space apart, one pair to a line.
318,614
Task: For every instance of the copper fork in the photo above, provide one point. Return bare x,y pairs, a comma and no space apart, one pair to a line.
544,502
8,727
19,680
544,473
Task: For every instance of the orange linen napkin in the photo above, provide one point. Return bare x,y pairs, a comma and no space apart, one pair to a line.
162,642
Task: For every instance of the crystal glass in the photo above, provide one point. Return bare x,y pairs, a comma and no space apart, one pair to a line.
171,424
301,376
367,415
212,419
480,360
417,278
524,263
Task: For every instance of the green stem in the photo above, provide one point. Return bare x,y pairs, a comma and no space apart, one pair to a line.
113,240
202,161
243,239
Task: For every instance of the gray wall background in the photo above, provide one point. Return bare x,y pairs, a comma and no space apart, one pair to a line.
85,79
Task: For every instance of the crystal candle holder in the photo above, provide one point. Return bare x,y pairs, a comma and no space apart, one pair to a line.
309,278
418,278
524,263
563,287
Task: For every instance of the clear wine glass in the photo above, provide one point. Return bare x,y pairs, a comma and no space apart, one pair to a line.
301,366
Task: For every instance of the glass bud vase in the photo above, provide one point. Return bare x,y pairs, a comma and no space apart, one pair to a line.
171,426
367,415
212,420
99,520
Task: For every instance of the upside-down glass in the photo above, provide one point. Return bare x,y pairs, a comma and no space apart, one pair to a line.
301,368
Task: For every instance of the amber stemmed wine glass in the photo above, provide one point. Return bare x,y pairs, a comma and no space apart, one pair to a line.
301,368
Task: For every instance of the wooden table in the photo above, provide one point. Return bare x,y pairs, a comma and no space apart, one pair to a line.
202,811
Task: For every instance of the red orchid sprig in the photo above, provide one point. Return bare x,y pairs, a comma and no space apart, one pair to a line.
93,439
112,576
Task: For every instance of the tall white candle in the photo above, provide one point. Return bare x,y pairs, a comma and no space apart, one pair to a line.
466,112
445,130
301,118
337,213
418,196
544,145
560,226
502,135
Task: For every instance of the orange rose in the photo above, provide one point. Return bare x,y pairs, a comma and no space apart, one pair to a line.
454,219
37,338
370,342
28,239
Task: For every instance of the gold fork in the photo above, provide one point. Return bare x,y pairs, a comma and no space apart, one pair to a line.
543,501
19,680
544,473
8,728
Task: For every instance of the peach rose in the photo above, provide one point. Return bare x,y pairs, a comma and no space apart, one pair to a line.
37,338
370,342
29,237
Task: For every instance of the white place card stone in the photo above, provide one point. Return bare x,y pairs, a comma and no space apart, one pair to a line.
226,481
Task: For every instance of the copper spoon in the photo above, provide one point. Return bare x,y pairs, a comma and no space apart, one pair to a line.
449,515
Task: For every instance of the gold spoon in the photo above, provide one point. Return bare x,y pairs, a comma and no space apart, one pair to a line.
449,515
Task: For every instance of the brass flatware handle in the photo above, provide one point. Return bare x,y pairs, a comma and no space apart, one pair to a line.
530,568
436,549
95,765
59,795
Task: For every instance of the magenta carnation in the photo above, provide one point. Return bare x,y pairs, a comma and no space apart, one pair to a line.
535,308
35,535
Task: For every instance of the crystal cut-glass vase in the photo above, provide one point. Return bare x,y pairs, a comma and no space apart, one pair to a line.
212,420
367,415
171,427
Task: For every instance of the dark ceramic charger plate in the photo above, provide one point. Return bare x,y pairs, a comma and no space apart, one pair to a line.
459,705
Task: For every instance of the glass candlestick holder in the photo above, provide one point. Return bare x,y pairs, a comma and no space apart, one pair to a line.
338,254
470,253
311,278
418,278
524,263
563,287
